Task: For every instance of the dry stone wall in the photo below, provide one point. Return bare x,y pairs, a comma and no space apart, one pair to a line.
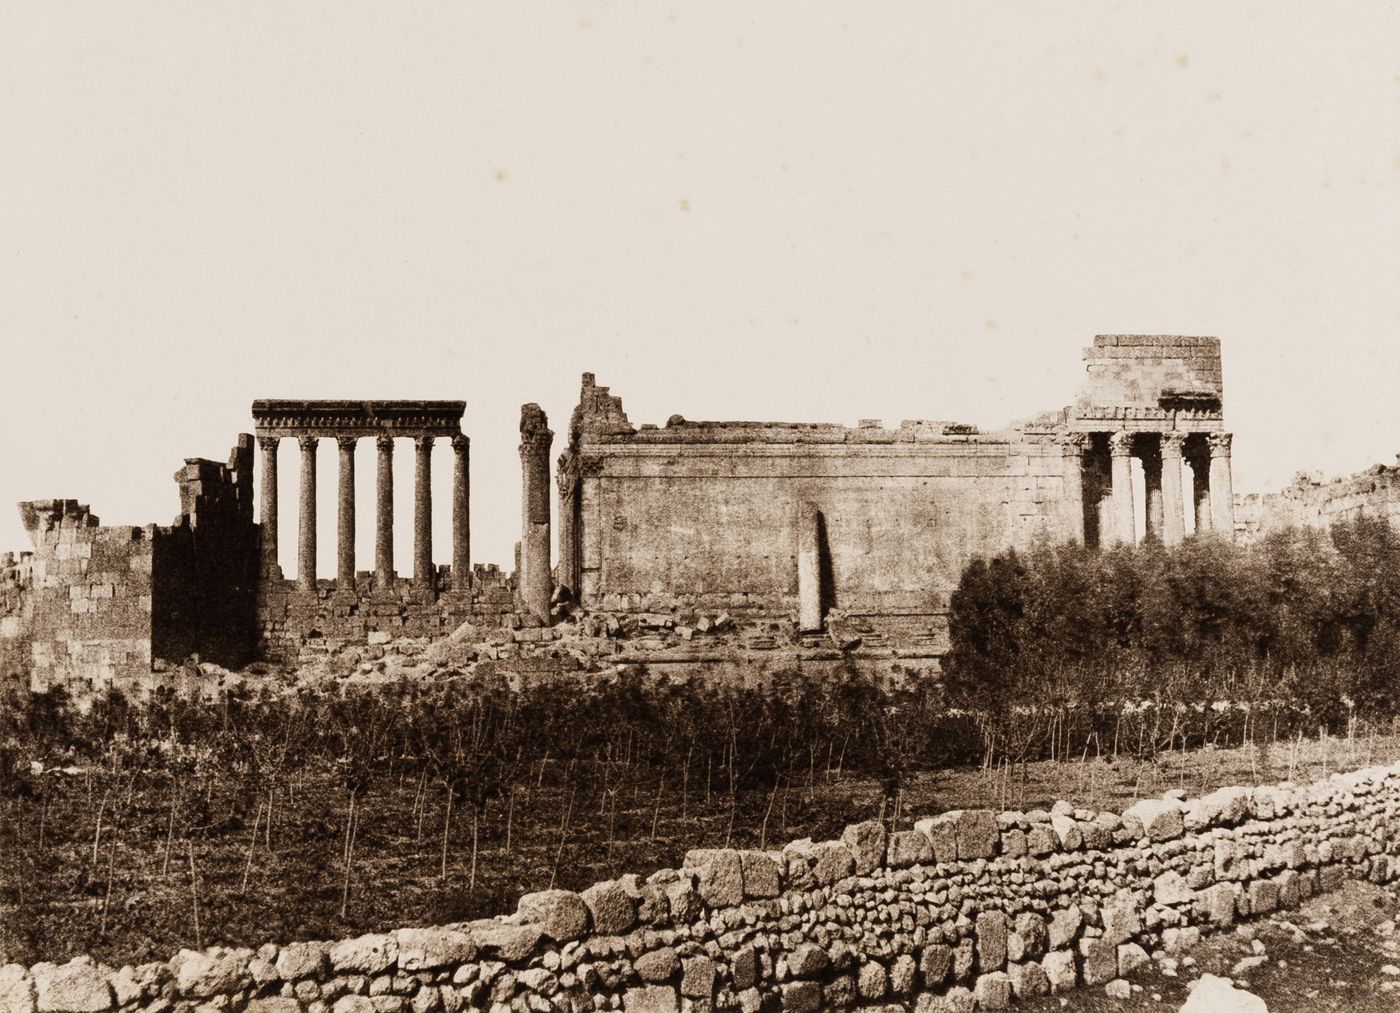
966,910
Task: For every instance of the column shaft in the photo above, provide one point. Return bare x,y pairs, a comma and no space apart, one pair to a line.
461,512
1200,491
1222,494
345,530
384,513
306,532
1120,446
423,511
267,510
1173,509
1152,490
1073,445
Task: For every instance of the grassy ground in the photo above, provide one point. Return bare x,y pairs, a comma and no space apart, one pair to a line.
134,870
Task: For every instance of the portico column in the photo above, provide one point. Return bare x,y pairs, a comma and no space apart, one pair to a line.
1222,495
1120,447
267,510
536,583
345,531
423,511
1200,489
1152,490
384,513
1173,509
1073,444
461,511
306,532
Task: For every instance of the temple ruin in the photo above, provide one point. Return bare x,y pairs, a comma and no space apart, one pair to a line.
803,522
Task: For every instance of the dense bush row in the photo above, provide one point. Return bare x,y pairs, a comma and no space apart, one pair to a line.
1061,648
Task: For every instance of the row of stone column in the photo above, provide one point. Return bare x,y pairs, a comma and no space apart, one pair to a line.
423,570
1213,495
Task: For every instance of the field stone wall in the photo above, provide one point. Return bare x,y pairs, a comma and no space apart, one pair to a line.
969,909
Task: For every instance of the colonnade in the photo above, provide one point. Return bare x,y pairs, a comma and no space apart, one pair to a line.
1162,456
423,569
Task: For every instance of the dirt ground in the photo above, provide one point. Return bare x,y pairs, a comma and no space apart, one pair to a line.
1338,952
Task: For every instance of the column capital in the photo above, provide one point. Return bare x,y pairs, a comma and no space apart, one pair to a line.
384,442
1121,444
308,442
423,442
1173,443
1219,444
1073,443
461,442
268,442
346,442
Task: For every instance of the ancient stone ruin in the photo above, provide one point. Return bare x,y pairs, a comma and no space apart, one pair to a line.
800,521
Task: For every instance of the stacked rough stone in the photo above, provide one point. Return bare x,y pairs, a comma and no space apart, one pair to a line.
967,910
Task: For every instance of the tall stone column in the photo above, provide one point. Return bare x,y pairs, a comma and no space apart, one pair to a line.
461,512
1173,509
1073,444
267,509
306,531
1120,447
1200,489
1152,491
423,511
345,520
1222,494
809,573
384,513
536,582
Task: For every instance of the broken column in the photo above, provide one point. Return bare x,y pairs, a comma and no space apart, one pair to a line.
461,511
809,569
267,509
306,532
536,583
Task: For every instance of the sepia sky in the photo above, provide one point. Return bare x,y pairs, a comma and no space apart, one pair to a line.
803,211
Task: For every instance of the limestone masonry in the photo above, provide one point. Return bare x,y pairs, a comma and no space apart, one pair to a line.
763,521
966,910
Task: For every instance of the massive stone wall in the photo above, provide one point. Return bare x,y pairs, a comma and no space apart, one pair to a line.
969,907
1311,501
94,605
808,518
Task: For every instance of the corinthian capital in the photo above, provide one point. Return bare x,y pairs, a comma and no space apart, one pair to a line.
1173,443
1219,444
1121,444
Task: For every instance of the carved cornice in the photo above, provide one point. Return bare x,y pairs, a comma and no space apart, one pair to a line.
364,418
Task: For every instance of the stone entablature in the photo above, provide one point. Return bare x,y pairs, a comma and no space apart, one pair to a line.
285,417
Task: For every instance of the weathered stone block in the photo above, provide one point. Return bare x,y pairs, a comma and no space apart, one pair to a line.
650,999
720,880
1160,818
942,832
659,965
909,847
301,960
368,954
1100,960
832,861
1028,979
611,908
216,971
935,961
511,943
761,876
956,1000
867,843
78,986
871,981
16,989
1060,970
1064,927
802,997
992,991
560,914
807,961
429,949
991,941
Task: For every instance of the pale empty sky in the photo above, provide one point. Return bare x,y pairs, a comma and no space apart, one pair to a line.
803,211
